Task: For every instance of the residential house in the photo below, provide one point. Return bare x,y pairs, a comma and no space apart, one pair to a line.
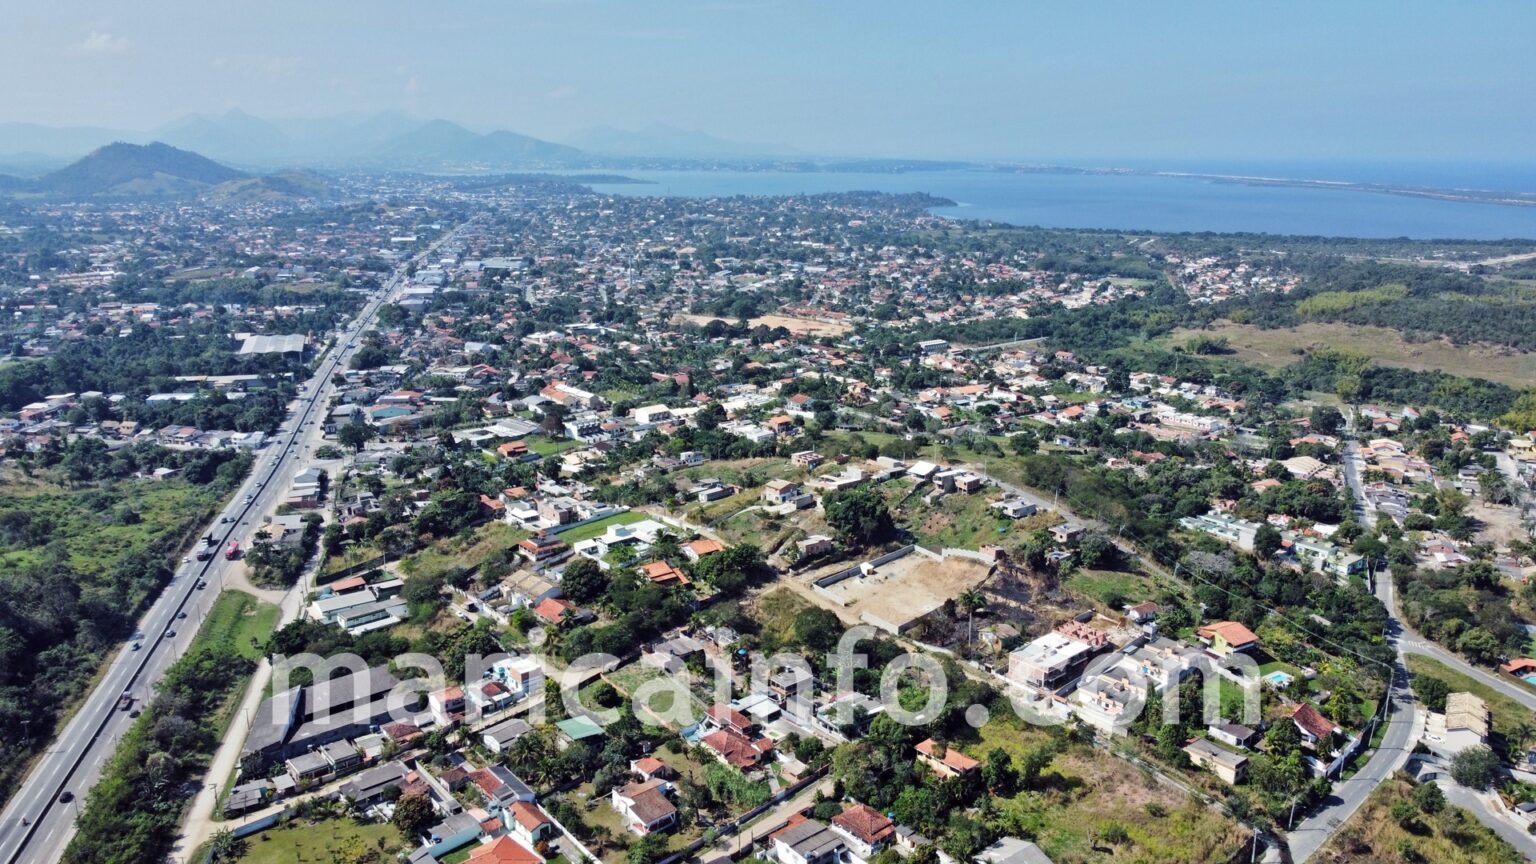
1231,767
865,830
807,841
1227,637
948,762
644,806
1316,730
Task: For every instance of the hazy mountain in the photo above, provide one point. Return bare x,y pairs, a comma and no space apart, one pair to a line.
441,143
387,139
233,135
154,169
659,139
69,141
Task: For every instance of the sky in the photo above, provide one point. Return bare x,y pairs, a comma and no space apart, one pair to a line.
1027,80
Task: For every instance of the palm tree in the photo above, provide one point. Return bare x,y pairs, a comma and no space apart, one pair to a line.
970,600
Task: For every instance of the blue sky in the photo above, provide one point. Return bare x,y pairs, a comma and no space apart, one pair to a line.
1077,81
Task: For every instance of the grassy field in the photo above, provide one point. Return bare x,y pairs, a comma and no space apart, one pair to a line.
1276,348
1084,792
471,551
1451,836
240,621
332,840
598,528
549,446
954,520
100,526
1105,587
1506,711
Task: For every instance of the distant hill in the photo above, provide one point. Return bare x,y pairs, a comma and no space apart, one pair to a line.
148,170
283,184
441,143
661,140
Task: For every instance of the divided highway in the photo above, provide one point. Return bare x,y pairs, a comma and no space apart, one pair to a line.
39,821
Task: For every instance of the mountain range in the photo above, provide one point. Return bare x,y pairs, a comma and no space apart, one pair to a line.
384,140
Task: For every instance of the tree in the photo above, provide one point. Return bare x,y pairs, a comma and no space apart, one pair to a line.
1096,551
1431,691
583,581
969,601
414,814
1476,767
818,629
1266,541
355,434
648,849
1479,645
859,516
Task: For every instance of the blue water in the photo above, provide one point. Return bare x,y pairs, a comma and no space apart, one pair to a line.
1152,203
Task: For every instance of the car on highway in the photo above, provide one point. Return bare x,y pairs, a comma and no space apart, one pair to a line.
202,583
138,645
170,634
226,520
66,796
180,615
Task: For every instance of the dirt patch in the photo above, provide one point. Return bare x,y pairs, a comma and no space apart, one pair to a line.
798,326
899,592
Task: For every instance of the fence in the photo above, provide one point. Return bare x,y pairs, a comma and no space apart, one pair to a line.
360,567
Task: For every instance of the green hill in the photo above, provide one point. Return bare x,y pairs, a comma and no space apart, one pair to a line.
148,170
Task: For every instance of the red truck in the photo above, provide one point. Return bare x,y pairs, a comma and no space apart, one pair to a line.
233,551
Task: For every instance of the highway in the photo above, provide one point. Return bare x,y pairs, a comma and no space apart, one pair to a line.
36,825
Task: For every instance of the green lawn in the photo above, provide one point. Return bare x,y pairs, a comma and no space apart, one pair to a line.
332,840
1506,711
598,528
549,446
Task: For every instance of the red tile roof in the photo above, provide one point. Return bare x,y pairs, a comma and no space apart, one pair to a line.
1313,722
865,823
504,851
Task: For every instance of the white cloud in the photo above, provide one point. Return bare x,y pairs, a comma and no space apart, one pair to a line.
100,42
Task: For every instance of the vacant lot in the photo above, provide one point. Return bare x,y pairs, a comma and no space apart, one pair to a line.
1452,836
806,326
1276,348
332,840
1083,793
100,525
900,591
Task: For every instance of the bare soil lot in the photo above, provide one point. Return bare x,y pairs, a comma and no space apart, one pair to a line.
805,326
898,592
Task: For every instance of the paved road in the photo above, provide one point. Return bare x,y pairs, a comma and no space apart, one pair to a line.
36,826
1403,724
1482,805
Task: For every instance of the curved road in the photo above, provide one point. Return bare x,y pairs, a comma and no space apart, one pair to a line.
36,825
